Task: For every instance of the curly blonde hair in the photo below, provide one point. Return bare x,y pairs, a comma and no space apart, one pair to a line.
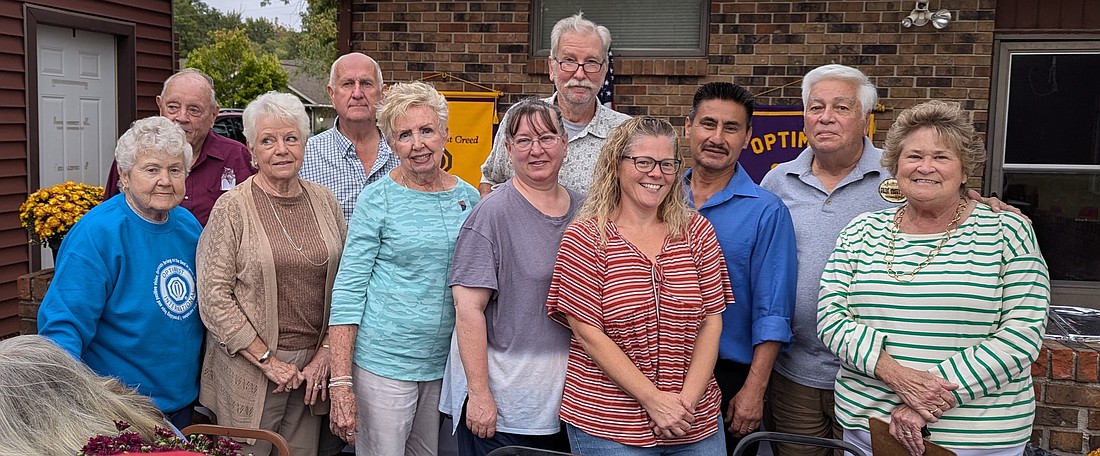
403,96
604,196
952,125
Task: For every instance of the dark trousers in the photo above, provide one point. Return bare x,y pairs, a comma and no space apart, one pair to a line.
731,377
470,444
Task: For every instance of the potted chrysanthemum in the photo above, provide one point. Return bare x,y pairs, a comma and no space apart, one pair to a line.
164,441
49,213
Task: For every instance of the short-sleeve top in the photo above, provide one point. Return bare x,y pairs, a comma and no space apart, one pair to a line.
652,311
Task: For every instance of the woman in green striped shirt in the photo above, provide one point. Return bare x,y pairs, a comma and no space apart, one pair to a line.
936,308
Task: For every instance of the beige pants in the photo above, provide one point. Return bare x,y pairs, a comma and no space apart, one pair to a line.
288,414
797,409
396,418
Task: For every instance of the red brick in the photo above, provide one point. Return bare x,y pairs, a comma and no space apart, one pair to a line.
1094,419
1038,391
1062,360
1087,365
1056,416
1066,441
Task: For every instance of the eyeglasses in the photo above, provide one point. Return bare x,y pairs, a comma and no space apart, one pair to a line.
546,141
646,164
570,66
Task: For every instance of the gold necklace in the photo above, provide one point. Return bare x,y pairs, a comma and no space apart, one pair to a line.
293,244
901,277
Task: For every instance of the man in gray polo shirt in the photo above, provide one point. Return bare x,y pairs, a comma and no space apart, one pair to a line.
835,179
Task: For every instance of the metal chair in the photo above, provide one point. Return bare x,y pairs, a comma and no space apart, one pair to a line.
796,439
276,440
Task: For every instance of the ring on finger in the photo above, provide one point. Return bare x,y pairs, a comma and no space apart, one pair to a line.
906,433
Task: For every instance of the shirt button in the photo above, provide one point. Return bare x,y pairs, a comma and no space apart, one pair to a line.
186,197
828,202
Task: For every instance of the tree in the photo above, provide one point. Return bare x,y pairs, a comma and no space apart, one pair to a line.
194,20
315,45
239,72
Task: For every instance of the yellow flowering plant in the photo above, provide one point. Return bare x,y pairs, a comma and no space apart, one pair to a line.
49,213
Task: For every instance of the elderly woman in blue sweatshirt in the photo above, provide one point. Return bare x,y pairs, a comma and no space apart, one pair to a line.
123,295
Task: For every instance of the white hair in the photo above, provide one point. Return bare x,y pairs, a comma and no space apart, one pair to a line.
577,24
277,105
865,90
154,135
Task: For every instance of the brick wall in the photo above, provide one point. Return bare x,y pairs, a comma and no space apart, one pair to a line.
764,45
1067,418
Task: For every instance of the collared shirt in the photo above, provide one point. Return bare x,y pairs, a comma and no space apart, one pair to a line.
331,161
651,310
219,166
818,218
580,160
756,234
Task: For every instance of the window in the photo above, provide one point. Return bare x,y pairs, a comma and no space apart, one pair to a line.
1045,137
657,28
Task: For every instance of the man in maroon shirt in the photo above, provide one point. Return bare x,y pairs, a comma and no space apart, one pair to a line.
220,163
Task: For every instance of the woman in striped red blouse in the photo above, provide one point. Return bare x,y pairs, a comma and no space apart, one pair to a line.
641,283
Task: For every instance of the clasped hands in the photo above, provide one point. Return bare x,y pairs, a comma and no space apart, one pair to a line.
670,414
926,397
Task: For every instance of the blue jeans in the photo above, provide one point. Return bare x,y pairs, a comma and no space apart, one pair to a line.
583,443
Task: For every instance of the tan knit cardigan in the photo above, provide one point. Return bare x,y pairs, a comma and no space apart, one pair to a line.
238,299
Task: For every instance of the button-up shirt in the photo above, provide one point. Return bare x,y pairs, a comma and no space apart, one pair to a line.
331,161
580,160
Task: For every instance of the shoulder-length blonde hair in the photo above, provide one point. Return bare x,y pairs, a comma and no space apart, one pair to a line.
605,194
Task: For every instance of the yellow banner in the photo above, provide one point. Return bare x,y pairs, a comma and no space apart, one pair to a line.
471,120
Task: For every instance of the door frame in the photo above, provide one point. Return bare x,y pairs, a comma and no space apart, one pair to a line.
125,34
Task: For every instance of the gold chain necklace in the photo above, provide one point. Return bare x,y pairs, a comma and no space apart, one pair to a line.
293,244
901,277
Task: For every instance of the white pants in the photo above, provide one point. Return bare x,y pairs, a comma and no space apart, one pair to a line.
396,418
862,440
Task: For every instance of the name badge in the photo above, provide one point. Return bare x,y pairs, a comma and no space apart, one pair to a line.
229,179
889,191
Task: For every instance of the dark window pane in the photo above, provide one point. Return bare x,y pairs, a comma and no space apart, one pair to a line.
635,24
1063,208
1053,109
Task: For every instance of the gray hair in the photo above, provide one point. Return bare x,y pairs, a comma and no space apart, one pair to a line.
52,403
279,106
189,72
404,96
533,108
577,24
154,135
866,91
332,69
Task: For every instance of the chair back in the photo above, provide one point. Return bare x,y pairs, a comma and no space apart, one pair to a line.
276,440
515,450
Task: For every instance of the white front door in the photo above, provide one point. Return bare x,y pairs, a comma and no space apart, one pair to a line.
77,108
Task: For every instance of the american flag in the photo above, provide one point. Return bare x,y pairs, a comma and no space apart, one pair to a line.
605,95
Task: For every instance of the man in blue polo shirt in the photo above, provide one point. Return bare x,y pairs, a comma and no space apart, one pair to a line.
756,235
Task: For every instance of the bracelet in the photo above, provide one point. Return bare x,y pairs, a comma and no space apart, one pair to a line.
332,385
264,357
326,346
340,378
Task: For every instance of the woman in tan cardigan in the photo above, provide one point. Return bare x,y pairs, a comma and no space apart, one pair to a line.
266,264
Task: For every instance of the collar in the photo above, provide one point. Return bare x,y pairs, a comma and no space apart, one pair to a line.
345,144
601,124
740,184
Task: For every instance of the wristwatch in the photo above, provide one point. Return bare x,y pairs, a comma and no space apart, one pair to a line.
264,357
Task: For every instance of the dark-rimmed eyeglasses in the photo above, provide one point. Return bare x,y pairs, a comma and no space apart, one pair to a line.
646,164
525,144
570,66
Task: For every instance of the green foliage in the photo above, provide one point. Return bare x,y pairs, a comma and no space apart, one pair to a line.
240,73
194,20
317,44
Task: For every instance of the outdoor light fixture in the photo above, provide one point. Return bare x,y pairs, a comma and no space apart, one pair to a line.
921,16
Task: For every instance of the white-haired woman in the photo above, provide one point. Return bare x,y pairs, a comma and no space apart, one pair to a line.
392,308
123,295
52,404
267,260
641,282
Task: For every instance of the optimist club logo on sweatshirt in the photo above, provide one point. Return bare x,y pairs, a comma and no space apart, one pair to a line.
175,289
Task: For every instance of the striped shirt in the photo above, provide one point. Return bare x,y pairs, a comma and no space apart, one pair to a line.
974,316
651,311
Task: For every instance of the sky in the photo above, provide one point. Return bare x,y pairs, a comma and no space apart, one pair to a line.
285,14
